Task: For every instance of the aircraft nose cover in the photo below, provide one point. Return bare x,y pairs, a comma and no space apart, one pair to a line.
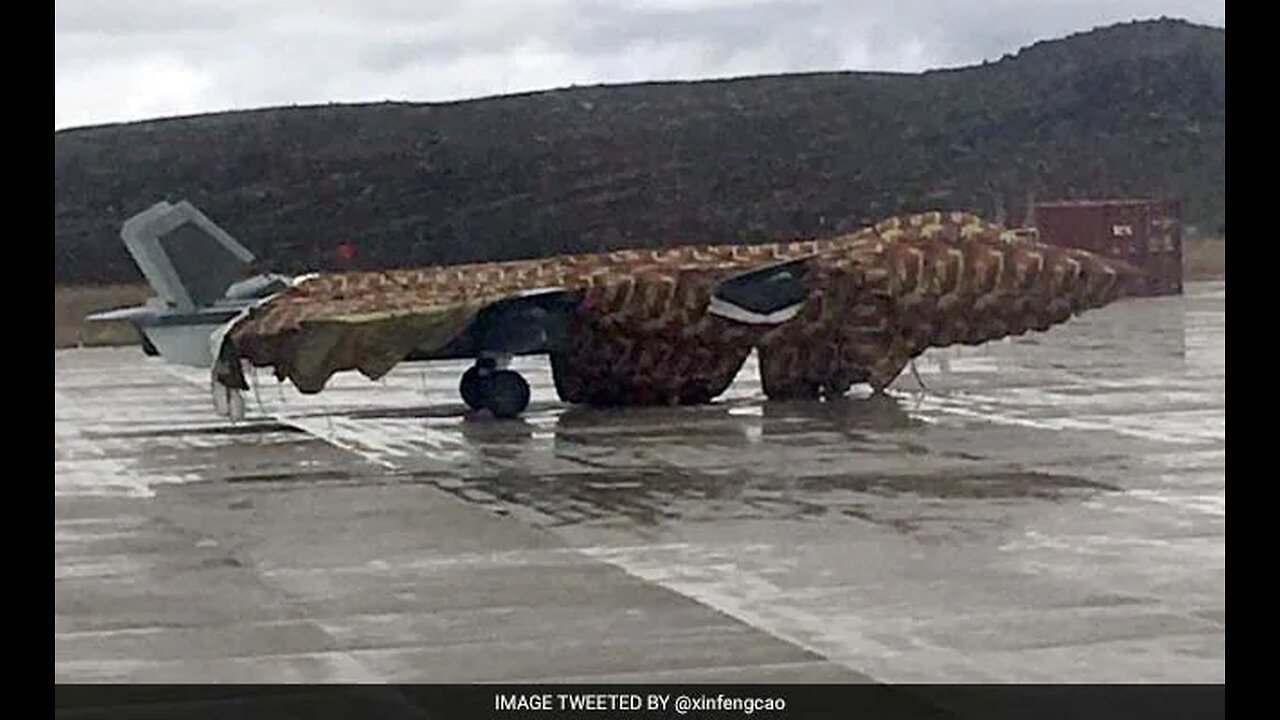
885,295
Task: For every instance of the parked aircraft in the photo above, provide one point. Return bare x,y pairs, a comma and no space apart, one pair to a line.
629,327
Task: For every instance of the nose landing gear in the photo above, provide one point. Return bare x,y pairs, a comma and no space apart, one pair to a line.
487,386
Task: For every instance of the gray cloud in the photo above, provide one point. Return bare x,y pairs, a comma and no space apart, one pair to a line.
118,60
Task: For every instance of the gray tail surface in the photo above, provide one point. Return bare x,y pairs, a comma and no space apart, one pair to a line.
186,258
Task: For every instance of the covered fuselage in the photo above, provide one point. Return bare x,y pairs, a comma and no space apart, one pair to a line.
675,325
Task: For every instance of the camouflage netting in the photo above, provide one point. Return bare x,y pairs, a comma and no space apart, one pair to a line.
369,321
884,295
642,333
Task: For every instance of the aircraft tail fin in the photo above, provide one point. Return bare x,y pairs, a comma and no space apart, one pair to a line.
186,258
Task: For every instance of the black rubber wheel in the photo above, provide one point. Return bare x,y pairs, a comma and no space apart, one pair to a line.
508,394
474,387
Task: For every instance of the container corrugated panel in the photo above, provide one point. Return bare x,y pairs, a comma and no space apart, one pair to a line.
1147,233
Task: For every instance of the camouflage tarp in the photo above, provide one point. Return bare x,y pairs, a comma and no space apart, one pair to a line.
369,321
642,333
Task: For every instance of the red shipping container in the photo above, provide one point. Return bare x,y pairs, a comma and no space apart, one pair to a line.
1147,233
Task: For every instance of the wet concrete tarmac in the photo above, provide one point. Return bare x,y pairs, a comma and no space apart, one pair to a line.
1049,508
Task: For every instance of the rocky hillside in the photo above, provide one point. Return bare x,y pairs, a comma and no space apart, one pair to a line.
1136,108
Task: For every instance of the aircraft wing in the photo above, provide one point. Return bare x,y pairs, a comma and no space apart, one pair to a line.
322,326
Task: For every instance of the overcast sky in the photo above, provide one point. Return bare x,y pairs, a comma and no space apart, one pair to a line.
119,60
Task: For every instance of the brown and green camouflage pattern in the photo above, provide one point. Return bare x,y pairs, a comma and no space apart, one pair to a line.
369,321
642,334
882,296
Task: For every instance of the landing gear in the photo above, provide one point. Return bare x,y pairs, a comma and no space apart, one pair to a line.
500,391
474,387
227,401
508,394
